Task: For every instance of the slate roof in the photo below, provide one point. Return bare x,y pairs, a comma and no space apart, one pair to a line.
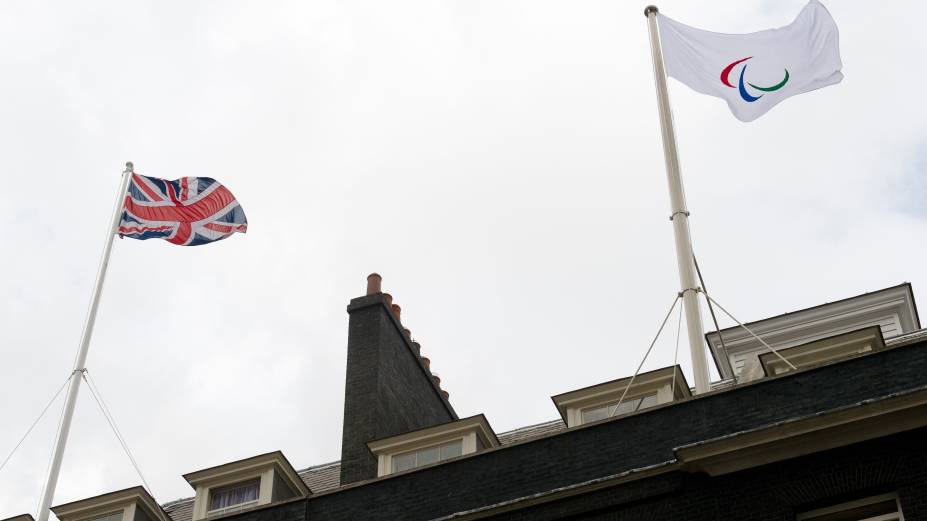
321,478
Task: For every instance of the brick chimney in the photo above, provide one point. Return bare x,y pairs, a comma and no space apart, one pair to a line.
388,389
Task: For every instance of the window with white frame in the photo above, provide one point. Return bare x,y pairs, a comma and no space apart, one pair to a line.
130,504
433,445
243,484
427,456
233,498
610,410
876,508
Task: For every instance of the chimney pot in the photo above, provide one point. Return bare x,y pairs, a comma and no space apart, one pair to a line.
373,283
397,312
389,300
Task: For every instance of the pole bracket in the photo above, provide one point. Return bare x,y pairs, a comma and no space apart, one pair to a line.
697,290
684,212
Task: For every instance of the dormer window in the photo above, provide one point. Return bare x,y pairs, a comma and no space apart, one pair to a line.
427,456
601,402
609,410
131,504
892,310
233,498
432,445
823,351
243,485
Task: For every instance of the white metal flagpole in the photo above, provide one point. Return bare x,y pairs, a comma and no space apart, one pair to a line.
79,363
680,214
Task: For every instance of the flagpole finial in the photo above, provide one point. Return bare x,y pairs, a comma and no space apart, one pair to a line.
130,167
650,9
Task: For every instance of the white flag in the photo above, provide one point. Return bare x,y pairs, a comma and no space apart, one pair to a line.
755,71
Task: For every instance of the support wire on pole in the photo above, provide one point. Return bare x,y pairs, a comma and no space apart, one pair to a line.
711,310
665,319
98,397
676,354
51,457
747,329
42,414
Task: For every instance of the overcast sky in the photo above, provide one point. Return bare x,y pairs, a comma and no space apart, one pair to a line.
498,162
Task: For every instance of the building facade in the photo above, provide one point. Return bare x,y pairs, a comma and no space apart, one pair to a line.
831,424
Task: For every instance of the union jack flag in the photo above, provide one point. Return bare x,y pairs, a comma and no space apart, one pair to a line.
188,211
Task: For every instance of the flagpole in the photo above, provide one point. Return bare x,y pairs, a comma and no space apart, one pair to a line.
680,214
76,375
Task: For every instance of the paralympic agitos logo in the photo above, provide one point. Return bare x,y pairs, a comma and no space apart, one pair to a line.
726,79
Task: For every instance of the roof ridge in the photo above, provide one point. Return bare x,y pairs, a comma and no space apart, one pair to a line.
548,422
319,466
177,501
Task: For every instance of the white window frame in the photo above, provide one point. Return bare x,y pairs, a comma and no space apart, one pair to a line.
468,445
238,507
668,383
204,491
609,404
897,515
474,433
663,394
122,505
463,446
269,468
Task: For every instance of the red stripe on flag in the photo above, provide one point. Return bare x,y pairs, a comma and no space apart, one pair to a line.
200,210
172,194
142,229
218,227
182,235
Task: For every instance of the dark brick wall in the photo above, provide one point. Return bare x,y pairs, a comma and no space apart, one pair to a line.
387,389
636,441
774,492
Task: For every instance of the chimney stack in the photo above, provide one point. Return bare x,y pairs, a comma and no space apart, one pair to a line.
389,389
373,283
